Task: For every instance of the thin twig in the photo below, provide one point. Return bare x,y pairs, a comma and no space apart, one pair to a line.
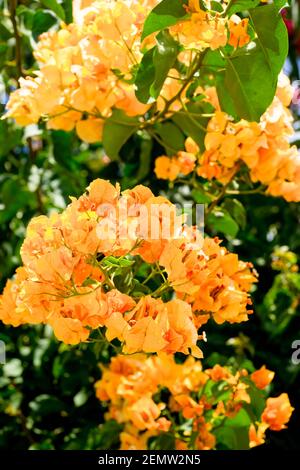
12,9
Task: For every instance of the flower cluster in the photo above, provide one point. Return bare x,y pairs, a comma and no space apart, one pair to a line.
202,29
184,163
81,272
86,67
263,147
154,395
76,69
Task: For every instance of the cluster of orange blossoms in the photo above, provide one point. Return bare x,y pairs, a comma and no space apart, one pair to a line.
203,30
76,69
67,280
82,65
132,386
264,147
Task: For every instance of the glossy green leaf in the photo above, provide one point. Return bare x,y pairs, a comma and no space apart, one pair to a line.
200,196
235,6
5,33
26,16
42,22
236,210
155,66
233,437
164,441
145,159
272,37
68,9
54,6
145,77
221,221
247,79
62,148
172,137
117,130
216,6
164,57
258,401
241,419
165,14
242,92
280,4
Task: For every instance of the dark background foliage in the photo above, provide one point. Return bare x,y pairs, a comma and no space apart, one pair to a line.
47,397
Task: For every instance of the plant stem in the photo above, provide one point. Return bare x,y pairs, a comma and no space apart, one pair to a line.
222,193
194,68
12,9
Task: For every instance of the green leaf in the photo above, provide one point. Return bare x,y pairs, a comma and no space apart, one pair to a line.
280,4
145,77
236,6
164,441
236,210
165,14
112,261
26,15
139,289
172,137
42,21
213,62
200,196
155,66
5,33
221,221
117,130
191,121
221,391
108,435
241,419
44,405
63,148
233,438
272,36
54,6
242,92
247,85
278,308
164,57
44,445
68,9
216,6
257,401
145,159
